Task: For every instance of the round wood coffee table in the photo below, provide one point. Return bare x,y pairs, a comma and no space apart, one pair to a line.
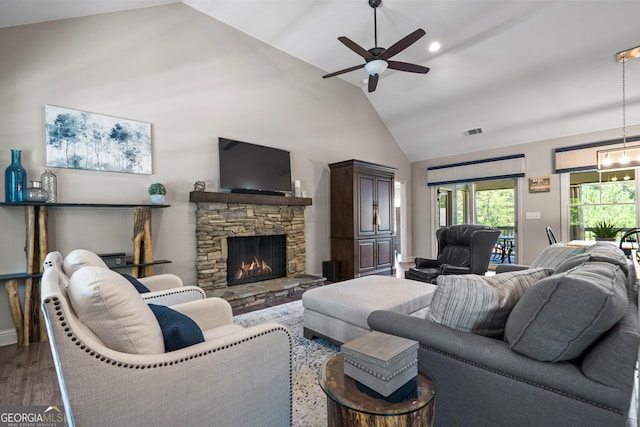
349,405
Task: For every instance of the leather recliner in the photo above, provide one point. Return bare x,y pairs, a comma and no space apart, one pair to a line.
462,249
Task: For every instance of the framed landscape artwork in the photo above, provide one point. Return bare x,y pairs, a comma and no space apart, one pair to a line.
81,140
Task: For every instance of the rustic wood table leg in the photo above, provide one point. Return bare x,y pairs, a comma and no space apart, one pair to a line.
148,249
142,250
30,249
28,312
15,308
43,249
36,248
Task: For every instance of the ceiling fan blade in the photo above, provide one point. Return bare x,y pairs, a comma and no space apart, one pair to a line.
356,48
402,44
373,83
404,66
346,70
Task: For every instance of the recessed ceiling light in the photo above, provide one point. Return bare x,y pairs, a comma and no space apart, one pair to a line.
434,47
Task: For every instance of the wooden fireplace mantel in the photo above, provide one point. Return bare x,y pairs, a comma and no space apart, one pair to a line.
256,199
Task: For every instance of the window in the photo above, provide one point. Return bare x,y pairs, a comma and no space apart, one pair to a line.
605,196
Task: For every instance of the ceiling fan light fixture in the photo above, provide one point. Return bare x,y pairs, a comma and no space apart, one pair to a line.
376,67
434,47
378,59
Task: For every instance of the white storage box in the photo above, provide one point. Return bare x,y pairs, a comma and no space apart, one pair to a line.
381,361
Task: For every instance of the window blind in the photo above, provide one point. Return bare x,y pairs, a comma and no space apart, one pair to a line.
584,156
477,170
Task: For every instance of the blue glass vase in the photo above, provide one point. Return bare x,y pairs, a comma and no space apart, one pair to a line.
15,179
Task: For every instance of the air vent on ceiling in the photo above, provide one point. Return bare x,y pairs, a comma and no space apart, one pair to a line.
472,132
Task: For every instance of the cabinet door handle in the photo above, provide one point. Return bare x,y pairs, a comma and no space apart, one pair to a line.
376,216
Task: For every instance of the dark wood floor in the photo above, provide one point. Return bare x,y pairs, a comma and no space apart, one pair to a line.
28,377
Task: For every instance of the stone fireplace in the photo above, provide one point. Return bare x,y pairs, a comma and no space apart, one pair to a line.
222,216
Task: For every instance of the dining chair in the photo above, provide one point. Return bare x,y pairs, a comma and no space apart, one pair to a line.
629,241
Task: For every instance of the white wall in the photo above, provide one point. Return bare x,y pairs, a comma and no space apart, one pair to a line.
539,161
194,79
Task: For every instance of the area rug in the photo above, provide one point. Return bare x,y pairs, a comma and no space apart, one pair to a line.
309,401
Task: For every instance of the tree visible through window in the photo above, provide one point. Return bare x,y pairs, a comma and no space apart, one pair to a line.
495,207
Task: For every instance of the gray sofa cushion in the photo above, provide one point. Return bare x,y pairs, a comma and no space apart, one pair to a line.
559,317
605,362
554,255
480,304
602,252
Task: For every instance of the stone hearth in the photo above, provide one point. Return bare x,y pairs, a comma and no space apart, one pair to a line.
223,215
240,296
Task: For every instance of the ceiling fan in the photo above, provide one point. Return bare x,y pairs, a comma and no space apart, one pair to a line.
377,58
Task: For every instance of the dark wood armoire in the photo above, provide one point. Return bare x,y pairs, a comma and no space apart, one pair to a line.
362,227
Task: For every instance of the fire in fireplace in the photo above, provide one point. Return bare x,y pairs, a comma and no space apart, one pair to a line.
256,258
254,268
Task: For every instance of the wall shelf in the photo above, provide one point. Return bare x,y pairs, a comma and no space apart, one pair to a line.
86,205
27,317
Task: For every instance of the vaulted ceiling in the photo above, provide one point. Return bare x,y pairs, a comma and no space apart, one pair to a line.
521,71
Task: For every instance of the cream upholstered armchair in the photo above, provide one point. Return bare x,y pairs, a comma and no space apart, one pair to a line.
113,367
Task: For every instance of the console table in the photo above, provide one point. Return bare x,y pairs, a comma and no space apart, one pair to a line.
28,319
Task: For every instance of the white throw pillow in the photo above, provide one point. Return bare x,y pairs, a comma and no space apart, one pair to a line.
107,303
480,304
79,258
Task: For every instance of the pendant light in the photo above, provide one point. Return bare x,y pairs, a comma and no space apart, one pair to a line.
627,156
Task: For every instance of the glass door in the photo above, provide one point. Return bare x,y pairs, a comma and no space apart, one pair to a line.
453,205
490,203
495,206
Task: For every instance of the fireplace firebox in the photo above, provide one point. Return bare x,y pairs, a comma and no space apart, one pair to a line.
256,258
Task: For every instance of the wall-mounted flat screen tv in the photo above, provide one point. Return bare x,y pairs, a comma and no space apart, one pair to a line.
251,168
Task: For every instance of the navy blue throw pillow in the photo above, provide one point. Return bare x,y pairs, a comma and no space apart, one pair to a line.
142,289
178,330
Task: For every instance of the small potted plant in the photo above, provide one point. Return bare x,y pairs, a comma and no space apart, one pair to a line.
605,230
157,191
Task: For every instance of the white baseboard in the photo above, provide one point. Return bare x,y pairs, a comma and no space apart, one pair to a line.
8,337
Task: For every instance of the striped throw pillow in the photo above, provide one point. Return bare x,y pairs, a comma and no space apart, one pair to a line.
554,255
480,304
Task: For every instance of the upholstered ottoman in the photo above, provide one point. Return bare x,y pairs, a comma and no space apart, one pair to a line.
338,312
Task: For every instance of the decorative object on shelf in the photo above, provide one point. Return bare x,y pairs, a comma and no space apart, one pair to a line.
35,192
157,191
297,188
627,156
49,182
93,134
199,186
15,179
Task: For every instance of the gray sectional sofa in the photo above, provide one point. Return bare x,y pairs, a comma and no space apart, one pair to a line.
560,351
